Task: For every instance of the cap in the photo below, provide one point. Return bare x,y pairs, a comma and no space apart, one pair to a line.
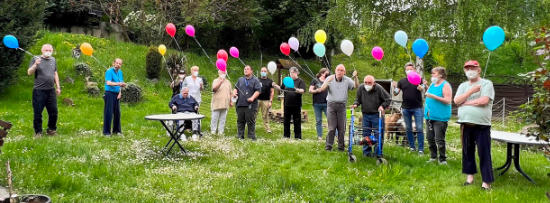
471,63
408,64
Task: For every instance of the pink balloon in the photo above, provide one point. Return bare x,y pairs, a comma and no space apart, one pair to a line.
221,64
414,78
234,52
377,53
190,30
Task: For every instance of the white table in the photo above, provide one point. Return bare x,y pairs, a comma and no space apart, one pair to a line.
513,141
175,133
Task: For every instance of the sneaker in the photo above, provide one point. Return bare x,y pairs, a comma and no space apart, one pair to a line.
320,138
195,137
412,149
443,163
431,160
212,133
183,138
420,152
51,132
38,135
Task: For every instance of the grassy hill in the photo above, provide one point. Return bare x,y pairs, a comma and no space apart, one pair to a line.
81,165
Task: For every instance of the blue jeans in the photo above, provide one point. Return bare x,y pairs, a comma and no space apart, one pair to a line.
370,127
319,109
418,114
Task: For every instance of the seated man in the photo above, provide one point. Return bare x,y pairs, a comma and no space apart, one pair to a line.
185,103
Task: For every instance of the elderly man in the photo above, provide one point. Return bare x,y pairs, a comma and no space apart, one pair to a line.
266,97
114,80
293,104
474,99
373,99
247,90
45,90
183,103
338,86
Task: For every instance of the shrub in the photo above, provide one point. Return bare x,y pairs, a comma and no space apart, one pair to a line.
175,63
153,63
83,69
132,93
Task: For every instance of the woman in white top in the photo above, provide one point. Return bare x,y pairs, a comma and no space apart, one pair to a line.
194,83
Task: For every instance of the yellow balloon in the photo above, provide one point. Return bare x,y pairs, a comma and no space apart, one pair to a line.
162,49
321,36
86,49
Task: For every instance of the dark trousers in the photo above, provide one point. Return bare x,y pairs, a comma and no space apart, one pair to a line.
293,112
247,115
370,127
479,135
436,138
112,108
41,99
336,117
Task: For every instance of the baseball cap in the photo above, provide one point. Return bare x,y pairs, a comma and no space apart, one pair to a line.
471,63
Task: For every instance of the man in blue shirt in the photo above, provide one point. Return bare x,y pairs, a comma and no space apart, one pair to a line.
113,82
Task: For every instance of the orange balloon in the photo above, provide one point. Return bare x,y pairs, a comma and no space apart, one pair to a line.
86,49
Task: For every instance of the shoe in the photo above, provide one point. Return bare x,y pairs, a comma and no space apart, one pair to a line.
431,160
443,163
183,138
195,137
328,148
51,132
486,188
412,149
38,135
107,135
467,183
421,153
320,138
340,149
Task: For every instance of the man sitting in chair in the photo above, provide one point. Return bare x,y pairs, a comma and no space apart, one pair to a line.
185,103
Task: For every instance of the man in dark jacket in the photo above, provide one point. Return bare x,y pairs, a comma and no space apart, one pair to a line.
184,103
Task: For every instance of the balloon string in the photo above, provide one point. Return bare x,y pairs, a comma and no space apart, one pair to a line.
328,63
204,51
176,41
309,69
29,53
242,62
307,73
487,64
99,62
409,53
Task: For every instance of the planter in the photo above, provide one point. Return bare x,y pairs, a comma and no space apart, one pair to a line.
34,198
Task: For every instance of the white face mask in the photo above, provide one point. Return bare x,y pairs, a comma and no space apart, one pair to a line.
471,74
47,54
435,79
222,75
408,71
196,73
368,87
180,76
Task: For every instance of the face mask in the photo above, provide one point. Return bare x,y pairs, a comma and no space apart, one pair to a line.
180,76
435,79
263,74
408,71
196,73
368,87
471,74
222,75
47,54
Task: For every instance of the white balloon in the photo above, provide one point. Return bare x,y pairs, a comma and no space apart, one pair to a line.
271,67
294,43
347,47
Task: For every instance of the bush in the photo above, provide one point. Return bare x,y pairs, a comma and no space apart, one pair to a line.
132,93
83,69
21,19
175,63
153,63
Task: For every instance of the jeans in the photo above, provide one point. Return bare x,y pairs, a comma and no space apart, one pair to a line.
418,114
111,109
41,99
294,113
370,126
246,115
336,117
436,138
218,121
319,109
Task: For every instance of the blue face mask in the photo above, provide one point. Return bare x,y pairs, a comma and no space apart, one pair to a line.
263,74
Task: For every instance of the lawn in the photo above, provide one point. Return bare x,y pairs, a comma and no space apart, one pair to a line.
81,165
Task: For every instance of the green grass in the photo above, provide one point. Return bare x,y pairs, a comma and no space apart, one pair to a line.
81,165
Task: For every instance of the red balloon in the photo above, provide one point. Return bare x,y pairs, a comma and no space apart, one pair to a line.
171,29
222,54
285,48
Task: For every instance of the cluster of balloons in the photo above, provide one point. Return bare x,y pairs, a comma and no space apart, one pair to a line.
222,56
419,47
319,47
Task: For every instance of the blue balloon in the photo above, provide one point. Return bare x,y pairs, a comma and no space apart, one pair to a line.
401,38
319,49
420,47
288,82
11,42
493,37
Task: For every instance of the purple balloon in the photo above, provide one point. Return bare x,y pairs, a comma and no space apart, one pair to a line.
377,53
234,52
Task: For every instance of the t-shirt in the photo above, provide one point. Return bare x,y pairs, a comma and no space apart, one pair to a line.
246,88
292,98
221,97
412,98
194,86
480,115
45,72
338,90
319,98
113,76
265,93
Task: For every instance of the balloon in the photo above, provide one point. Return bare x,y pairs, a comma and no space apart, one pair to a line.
86,49
320,36
222,54
190,30
170,29
288,82
294,43
221,64
377,53
420,47
162,49
11,42
401,38
414,78
234,52
347,47
285,48
271,67
319,49
493,37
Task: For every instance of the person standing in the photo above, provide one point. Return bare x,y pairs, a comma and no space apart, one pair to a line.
176,84
293,104
338,86
266,97
412,107
45,90
221,101
437,111
474,99
247,89
194,83
319,100
114,80
373,99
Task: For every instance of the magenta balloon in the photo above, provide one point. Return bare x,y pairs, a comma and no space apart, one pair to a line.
414,78
221,64
234,52
190,30
377,53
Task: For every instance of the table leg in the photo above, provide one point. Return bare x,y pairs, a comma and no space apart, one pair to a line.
509,158
173,136
516,163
